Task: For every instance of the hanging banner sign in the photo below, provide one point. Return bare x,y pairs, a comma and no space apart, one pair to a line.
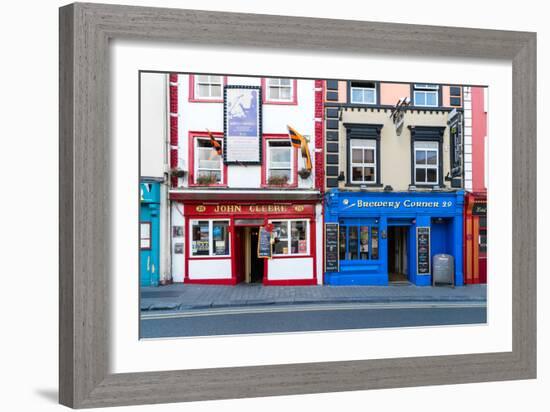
242,124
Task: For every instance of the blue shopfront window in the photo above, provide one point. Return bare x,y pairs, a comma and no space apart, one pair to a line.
358,241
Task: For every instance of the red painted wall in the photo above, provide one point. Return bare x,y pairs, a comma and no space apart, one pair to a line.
479,131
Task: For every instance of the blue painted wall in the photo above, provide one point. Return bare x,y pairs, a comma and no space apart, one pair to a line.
149,259
441,211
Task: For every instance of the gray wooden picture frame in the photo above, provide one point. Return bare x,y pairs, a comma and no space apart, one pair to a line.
85,31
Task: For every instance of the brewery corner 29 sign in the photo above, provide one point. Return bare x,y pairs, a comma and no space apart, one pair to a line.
242,124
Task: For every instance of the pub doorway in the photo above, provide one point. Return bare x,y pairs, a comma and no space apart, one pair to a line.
249,268
256,263
397,254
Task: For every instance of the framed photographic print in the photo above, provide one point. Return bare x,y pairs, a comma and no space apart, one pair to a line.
301,207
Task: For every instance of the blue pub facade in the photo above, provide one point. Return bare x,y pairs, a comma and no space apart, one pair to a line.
386,237
149,233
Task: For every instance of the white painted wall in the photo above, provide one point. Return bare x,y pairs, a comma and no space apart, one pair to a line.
153,154
468,138
154,124
199,116
178,261
290,268
319,234
210,268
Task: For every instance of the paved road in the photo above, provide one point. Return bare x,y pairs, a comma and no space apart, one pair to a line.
310,318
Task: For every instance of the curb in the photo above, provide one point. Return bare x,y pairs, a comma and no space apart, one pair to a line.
178,306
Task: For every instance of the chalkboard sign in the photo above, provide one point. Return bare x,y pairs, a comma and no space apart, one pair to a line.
264,243
331,247
423,250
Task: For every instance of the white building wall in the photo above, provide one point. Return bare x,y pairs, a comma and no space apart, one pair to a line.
153,154
319,245
200,116
178,260
467,138
209,269
153,124
290,268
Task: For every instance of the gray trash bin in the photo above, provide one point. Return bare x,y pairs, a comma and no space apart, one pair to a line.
443,269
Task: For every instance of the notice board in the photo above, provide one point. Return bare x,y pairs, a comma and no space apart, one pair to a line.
331,247
423,250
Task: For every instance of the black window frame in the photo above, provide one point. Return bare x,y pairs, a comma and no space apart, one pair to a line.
365,131
427,134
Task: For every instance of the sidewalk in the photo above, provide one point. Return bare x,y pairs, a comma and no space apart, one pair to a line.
186,297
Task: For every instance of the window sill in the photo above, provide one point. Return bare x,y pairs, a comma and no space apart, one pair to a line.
283,103
209,257
198,100
287,186
308,255
210,185
349,184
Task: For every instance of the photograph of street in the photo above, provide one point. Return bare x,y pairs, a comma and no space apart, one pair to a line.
278,205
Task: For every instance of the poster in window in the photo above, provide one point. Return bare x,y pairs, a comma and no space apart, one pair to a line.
242,124
302,246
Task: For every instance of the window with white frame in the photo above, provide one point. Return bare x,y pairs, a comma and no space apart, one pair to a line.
426,95
279,90
279,162
209,237
291,237
362,161
363,92
208,163
208,87
426,163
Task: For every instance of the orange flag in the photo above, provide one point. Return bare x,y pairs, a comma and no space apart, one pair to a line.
299,141
215,144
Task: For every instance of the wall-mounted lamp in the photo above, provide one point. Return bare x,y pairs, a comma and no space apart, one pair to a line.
388,188
341,177
412,188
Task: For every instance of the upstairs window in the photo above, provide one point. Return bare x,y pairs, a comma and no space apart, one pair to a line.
426,95
363,161
208,87
279,162
363,92
426,163
455,93
280,90
208,163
